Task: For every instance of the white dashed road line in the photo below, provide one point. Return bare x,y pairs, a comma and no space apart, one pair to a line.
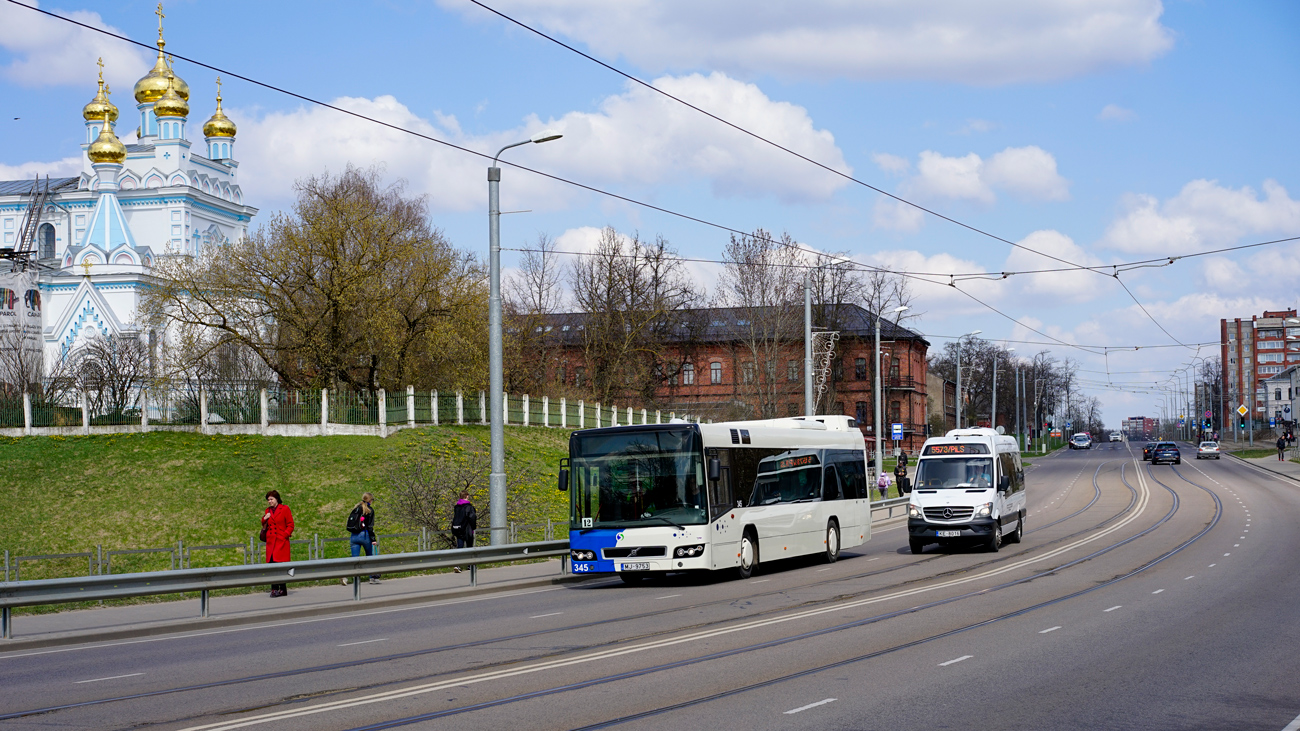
950,662
1157,591
552,614
1049,629
670,596
363,642
111,677
1117,606
810,705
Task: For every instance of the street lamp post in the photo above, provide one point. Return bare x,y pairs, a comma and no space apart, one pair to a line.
959,398
993,418
880,448
496,378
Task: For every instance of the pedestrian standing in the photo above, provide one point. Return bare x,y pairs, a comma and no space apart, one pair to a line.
1281,449
900,476
882,484
277,527
361,524
464,521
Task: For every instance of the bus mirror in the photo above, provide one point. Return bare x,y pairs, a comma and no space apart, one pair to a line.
715,469
1004,483
564,480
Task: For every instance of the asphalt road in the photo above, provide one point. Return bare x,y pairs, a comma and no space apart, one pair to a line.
1141,598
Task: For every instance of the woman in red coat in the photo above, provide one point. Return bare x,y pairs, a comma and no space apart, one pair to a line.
277,521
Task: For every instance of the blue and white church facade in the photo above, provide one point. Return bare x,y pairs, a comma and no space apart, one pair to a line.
102,231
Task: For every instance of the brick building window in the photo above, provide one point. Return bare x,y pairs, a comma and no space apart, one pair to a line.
895,412
860,369
792,409
688,374
792,370
715,372
746,371
579,376
837,373
561,374
860,412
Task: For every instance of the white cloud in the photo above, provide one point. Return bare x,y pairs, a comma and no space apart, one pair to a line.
51,52
1029,172
66,168
1116,113
977,126
897,216
892,164
948,40
637,137
934,298
1202,214
1057,287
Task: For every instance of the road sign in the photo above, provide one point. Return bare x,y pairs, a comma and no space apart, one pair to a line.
1208,414
1069,425
1241,409
896,432
1271,422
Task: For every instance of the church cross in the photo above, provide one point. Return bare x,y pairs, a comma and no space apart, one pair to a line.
86,264
160,15
100,63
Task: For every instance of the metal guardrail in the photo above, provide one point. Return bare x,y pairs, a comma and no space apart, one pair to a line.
890,504
122,586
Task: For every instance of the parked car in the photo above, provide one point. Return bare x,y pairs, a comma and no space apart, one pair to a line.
1166,452
1207,450
1147,449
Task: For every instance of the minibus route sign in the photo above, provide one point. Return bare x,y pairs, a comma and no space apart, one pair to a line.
935,449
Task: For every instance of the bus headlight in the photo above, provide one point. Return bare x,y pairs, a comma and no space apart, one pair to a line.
688,551
577,555
984,510
914,511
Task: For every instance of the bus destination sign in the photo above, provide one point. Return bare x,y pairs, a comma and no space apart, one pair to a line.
936,449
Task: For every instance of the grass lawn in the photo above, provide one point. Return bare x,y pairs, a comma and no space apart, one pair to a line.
1255,453
70,494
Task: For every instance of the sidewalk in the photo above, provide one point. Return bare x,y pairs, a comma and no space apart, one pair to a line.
165,617
1287,468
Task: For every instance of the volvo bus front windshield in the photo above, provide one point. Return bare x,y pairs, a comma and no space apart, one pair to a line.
630,477
938,473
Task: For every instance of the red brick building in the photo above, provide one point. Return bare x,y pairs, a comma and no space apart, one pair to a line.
1254,350
718,373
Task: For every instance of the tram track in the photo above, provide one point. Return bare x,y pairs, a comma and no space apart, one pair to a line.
1174,507
649,636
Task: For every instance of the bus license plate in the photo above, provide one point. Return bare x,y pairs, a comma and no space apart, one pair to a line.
948,533
640,566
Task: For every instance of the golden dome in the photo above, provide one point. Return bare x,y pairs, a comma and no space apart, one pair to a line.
171,104
107,148
154,84
219,125
100,107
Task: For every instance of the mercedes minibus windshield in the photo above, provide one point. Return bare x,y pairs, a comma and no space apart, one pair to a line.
939,473
625,478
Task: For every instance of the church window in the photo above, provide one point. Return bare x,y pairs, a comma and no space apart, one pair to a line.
176,215
176,231
9,224
9,237
81,220
46,238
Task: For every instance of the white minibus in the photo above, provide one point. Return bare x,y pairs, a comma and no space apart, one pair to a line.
969,488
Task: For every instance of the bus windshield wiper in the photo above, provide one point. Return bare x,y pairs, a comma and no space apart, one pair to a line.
669,522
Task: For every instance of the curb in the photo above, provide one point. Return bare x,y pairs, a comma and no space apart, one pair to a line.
76,637
1293,478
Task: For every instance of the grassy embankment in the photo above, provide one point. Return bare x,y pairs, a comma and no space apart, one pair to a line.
70,494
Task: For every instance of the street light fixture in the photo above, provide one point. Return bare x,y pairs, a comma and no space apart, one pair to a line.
496,378
959,339
880,448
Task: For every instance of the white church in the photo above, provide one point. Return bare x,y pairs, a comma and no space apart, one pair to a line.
98,234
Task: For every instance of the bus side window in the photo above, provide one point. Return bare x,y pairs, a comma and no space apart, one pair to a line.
831,485
720,490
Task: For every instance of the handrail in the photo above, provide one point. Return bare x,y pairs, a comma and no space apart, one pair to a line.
121,586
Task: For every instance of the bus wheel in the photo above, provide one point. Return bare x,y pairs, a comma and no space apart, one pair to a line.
748,555
1020,529
916,546
832,541
995,540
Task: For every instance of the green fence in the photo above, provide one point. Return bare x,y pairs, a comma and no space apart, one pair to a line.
235,406
349,407
293,407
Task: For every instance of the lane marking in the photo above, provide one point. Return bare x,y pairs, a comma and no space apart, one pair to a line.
950,662
1212,565
689,638
821,570
1294,725
760,581
111,677
1227,554
670,596
363,642
1049,629
1117,606
552,614
1236,545
1185,578
1157,591
810,705
877,558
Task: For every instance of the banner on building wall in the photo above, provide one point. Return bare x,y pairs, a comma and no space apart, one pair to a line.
21,328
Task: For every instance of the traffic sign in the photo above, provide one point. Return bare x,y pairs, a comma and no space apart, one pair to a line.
1208,414
1271,422
1241,409
896,432
1069,425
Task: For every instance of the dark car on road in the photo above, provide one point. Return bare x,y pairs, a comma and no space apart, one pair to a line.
1147,449
1166,452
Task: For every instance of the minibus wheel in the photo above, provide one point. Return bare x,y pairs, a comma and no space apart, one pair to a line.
1020,529
995,540
916,546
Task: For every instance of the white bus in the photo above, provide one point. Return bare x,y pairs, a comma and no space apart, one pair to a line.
659,498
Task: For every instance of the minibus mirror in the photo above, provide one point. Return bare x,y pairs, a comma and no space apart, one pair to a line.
1004,483
564,480
715,469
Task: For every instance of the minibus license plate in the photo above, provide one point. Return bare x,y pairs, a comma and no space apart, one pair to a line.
948,533
640,566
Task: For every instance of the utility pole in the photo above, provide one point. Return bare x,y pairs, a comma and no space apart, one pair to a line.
809,408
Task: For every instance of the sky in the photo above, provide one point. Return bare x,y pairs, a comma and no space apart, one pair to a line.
1100,133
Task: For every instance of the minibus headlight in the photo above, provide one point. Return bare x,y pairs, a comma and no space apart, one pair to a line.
984,510
914,510
688,551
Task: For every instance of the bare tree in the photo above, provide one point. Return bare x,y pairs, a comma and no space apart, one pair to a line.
532,295
113,371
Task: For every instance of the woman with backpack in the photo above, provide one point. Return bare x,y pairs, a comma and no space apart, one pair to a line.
277,527
361,524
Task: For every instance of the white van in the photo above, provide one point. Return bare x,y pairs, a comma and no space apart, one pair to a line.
969,487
